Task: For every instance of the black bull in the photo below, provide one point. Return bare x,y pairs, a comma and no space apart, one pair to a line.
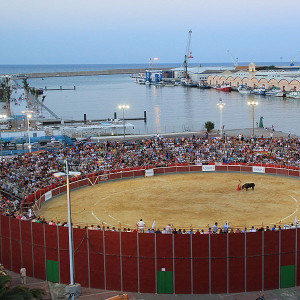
248,186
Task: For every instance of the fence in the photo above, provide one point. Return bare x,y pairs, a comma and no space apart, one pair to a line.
155,263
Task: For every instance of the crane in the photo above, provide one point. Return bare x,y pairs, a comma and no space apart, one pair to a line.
293,58
188,54
235,61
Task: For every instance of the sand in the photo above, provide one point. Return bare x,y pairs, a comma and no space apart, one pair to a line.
184,200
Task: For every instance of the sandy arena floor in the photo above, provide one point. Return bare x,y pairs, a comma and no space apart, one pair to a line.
183,200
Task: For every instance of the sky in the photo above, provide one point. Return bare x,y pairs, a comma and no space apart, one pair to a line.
132,31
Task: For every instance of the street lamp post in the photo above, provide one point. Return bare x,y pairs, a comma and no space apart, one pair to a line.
221,106
123,107
29,116
253,104
3,117
70,227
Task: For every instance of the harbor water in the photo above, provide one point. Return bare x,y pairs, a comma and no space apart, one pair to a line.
169,109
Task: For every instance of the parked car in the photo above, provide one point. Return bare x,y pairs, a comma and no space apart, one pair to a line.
12,146
56,143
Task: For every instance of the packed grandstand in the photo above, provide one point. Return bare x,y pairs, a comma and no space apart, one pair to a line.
23,175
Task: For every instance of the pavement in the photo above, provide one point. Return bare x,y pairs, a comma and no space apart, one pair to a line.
259,132
55,291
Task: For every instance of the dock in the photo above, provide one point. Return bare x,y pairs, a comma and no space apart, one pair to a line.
59,89
85,120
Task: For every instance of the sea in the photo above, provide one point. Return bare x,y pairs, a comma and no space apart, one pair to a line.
169,109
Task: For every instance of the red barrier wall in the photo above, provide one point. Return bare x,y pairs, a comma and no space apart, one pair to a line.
200,264
271,260
191,257
112,260
81,256
234,168
182,254
195,168
5,237
288,243
147,263
64,271
129,261
254,261
15,245
170,170
96,259
297,279
51,243
270,171
27,247
164,252
221,168
39,250
218,252
236,245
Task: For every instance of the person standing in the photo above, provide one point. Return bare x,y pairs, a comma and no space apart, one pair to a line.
239,187
215,228
23,275
141,225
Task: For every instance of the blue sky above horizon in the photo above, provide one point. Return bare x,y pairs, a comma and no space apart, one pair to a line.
120,31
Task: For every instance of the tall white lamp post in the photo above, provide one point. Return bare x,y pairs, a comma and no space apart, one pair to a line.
253,104
123,107
221,106
2,117
28,113
70,228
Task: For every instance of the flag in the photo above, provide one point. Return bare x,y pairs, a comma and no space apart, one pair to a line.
153,225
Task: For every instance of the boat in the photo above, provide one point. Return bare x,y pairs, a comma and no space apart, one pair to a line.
275,91
203,85
243,89
169,84
188,82
109,127
141,81
294,94
223,88
259,91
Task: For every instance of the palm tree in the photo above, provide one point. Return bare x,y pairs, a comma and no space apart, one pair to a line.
6,92
25,84
19,292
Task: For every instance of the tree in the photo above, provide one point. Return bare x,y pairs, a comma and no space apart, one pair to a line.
209,126
25,84
19,292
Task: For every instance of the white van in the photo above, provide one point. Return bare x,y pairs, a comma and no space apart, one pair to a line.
5,126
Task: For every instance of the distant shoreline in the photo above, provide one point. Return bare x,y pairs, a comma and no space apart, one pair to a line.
87,73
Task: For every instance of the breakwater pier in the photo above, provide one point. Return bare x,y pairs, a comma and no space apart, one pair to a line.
84,73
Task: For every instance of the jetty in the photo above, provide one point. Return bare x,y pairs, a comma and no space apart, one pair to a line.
57,120
83,73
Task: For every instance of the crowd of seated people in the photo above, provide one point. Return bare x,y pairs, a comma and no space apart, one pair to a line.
24,174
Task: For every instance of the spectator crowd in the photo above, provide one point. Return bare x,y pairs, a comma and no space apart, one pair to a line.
23,175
